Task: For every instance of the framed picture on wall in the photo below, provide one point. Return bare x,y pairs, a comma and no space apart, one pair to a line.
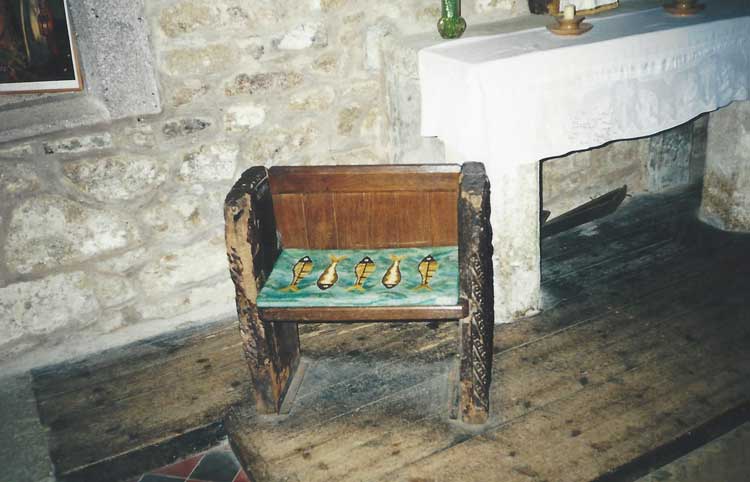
37,51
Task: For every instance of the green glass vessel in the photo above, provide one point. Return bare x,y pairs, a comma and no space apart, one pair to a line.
451,24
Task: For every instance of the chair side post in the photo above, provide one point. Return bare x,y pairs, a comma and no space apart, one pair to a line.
476,286
271,349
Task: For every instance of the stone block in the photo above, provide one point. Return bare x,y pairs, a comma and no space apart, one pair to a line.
194,62
212,300
515,215
117,178
17,178
52,115
487,6
187,93
328,5
108,322
262,16
364,90
327,63
304,36
347,118
186,17
279,144
668,162
374,125
255,47
79,144
262,82
112,290
113,39
360,155
215,162
403,103
50,231
42,306
123,262
430,14
235,15
726,185
175,217
185,266
242,118
698,152
313,100
402,57
352,34
374,45
138,134
185,127
15,152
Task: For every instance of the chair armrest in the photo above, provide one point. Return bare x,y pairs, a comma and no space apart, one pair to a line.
475,239
272,352
476,286
250,232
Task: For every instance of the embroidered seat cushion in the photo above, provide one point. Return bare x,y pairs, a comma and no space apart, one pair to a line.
360,277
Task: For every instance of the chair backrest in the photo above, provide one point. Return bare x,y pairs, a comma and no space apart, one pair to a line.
354,207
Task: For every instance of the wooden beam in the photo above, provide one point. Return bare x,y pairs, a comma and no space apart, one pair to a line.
382,178
366,314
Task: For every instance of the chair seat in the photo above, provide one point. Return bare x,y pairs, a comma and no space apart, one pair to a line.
441,286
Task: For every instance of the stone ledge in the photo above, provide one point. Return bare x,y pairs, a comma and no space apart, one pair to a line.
51,115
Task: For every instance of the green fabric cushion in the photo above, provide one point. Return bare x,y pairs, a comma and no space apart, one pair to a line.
443,283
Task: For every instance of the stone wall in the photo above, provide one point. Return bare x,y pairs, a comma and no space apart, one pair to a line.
115,232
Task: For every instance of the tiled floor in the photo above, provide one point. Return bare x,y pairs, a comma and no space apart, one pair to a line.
216,465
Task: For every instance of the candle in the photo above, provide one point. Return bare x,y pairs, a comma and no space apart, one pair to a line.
569,12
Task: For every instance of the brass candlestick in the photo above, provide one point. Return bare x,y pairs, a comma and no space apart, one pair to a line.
570,26
553,8
684,8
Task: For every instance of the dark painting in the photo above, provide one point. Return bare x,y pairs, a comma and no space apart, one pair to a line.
36,48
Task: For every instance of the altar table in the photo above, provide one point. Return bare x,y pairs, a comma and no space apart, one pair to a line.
513,99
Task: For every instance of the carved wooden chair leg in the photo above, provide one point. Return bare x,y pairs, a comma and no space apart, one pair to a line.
272,354
271,349
476,286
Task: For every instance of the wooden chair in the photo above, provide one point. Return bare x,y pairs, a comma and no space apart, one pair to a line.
367,208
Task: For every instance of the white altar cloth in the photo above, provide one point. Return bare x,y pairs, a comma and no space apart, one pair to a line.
516,98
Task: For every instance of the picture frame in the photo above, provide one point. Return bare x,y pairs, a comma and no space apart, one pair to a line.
37,48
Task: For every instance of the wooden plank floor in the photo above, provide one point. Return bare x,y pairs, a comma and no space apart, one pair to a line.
643,338
125,411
